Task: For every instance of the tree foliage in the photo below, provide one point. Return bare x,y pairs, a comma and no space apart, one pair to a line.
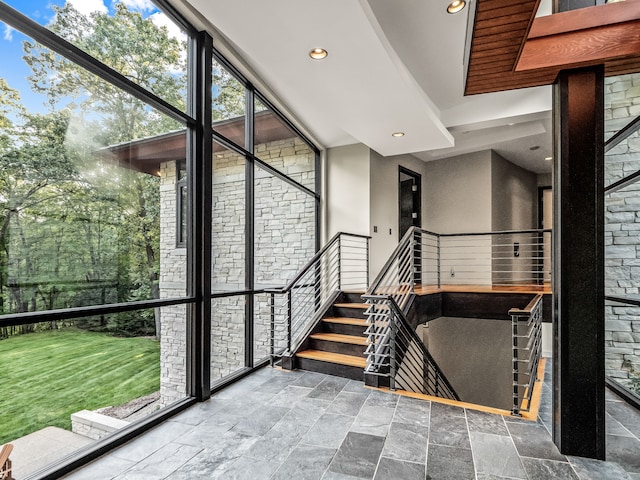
76,228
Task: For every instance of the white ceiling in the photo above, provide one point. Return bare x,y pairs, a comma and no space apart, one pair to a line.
392,66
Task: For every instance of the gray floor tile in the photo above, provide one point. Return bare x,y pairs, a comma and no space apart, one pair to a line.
309,379
289,396
373,419
382,399
391,469
412,410
486,423
103,468
628,416
329,388
358,455
406,441
260,421
162,463
275,385
355,386
329,475
533,440
625,451
244,468
448,430
328,431
449,463
203,465
308,462
348,403
591,469
443,410
614,427
496,455
540,469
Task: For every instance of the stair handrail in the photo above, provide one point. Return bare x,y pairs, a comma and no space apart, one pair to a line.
529,317
315,284
387,324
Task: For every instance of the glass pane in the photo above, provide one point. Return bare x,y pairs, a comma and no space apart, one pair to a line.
622,345
227,336
278,146
83,375
138,41
262,328
229,105
284,230
622,210
620,102
623,159
228,221
83,189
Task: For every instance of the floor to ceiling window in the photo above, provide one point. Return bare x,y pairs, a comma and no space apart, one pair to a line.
123,243
622,229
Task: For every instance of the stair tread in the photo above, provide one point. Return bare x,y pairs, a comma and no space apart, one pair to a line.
341,338
351,305
346,321
333,358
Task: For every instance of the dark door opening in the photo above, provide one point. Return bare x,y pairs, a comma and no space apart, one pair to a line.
410,199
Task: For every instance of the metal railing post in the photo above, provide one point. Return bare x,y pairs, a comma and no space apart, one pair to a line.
514,333
438,257
272,345
340,262
289,311
392,355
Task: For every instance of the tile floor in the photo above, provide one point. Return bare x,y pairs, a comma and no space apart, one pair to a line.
298,425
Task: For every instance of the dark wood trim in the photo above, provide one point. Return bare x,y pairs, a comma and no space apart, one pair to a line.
579,45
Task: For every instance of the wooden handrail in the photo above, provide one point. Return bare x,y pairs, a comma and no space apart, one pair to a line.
529,308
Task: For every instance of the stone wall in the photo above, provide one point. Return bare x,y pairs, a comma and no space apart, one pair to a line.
284,241
173,275
622,230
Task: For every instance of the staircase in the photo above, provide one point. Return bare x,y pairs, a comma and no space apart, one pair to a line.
337,344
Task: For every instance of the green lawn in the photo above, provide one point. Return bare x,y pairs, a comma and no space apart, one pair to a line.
47,376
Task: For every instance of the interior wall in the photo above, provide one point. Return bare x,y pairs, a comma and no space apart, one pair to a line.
347,192
514,201
457,194
384,204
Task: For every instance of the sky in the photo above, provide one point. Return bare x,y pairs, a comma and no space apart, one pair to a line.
12,67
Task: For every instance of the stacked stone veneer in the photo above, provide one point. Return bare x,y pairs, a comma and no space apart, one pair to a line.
622,231
284,241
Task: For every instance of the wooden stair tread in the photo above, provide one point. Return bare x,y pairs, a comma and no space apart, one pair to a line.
346,321
338,358
351,305
340,338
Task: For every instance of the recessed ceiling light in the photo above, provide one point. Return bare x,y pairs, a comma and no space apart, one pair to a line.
318,53
548,159
397,134
456,6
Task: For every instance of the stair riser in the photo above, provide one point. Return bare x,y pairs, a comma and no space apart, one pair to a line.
350,298
348,312
345,371
337,347
341,328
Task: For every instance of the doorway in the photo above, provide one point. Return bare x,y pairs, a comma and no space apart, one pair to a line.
410,200
545,221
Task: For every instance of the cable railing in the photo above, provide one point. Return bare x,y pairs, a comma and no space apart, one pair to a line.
396,351
526,328
427,261
341,265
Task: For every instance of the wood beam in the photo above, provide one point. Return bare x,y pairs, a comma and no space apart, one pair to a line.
584,37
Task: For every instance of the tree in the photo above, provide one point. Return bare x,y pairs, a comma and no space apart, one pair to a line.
115,216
